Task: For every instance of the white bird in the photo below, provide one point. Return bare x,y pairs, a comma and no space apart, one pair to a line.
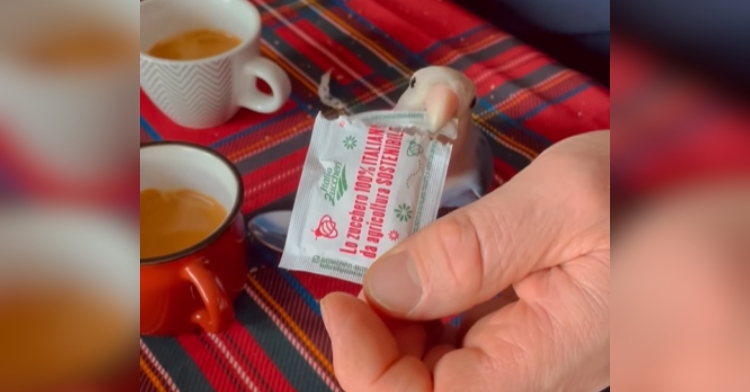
446,95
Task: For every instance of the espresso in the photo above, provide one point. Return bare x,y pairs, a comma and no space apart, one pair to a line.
195,45
80,49
56,334
172,221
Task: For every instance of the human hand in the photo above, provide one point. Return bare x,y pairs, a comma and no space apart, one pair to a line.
546,233
681,299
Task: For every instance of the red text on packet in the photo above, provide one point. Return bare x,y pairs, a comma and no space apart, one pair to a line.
373,183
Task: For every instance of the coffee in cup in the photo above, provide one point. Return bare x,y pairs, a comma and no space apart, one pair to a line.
195,45
174,220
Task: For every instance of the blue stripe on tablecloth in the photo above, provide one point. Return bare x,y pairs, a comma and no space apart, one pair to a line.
457,38
233,378
247,131
507,155
518,124
295,57
548,103
301,290
418,59
171,356
150,130
468,59
311,108
272,154
247,362
354,47
277,347
512,86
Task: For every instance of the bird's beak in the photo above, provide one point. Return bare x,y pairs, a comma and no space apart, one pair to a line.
441,105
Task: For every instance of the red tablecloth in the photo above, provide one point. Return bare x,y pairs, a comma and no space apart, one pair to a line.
526,103
672,128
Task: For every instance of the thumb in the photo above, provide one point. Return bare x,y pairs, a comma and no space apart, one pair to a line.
554,211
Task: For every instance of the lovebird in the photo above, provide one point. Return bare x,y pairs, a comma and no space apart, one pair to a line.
448,95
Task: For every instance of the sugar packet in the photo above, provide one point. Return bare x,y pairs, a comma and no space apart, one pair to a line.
369,181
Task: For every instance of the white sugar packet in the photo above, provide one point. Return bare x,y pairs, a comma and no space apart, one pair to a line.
369,181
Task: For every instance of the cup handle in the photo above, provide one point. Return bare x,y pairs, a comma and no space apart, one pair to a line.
277,79
218,312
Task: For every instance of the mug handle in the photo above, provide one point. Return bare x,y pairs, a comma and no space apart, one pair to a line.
218,312
277,79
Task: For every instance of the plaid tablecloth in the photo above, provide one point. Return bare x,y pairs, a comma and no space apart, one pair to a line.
526,103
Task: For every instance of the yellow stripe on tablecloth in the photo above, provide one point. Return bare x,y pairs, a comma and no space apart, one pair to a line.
470,48
319,46
512,102
354,32
270,140
283,63
546,85
152,377
505,140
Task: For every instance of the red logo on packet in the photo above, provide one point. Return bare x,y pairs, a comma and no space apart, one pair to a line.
326,228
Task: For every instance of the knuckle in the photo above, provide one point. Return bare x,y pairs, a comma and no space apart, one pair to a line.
581,168
457,247
494,225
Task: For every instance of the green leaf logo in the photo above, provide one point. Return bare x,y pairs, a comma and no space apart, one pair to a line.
342,185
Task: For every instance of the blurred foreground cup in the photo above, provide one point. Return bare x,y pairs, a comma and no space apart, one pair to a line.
69,94
69,299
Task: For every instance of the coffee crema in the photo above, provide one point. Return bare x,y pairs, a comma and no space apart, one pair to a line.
195,45
175,220
80,49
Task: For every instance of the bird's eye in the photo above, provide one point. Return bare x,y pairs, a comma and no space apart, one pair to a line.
413,82
473,102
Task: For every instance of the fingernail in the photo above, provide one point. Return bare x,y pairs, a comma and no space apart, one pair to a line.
393,283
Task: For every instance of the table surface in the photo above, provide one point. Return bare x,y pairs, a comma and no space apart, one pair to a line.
526,103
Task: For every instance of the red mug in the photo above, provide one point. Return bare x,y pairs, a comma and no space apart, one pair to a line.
193,289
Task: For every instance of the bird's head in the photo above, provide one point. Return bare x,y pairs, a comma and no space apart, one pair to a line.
443,93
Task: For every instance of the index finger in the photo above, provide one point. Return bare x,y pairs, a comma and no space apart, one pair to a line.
375,364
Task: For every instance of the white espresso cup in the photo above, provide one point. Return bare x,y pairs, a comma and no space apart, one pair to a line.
81,125
207,92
